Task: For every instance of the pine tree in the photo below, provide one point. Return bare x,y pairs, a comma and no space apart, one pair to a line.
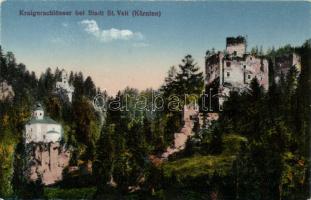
189,80
105,157
78,83
89,88
169,86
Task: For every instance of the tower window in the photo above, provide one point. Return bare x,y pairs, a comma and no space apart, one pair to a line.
228,74
249,76
228,64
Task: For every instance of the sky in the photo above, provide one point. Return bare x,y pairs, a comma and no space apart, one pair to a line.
120,51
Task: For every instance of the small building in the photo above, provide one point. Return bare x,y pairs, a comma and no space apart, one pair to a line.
42,128
64,88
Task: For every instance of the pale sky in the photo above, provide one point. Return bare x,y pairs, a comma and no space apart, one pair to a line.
137,51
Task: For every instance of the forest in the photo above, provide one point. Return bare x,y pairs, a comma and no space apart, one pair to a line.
257,149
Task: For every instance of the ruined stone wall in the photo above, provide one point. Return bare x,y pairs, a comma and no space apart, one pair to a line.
284,63
236,46
233,73
239,73
257,68
213,65
234,69
238,49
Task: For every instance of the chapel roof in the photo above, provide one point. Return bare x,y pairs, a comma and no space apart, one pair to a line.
45,120
38,106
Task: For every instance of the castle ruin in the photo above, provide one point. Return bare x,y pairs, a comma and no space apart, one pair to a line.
234,69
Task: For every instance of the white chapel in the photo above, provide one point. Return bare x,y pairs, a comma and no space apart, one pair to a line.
42,128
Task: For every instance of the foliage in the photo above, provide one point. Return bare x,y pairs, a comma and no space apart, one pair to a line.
7,144
75,193
258,149
198,166
186,81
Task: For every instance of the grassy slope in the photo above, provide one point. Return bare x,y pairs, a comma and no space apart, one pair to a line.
74,193
184,169
207,165
199,166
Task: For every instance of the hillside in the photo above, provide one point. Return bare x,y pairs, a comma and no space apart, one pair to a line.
257,149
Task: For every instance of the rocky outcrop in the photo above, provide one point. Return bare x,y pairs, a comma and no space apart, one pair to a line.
190,113
6,91
46,162
190,116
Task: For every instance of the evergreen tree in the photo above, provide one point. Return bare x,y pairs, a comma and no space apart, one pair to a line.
78,83
185,84
105,158
89,88
189,80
